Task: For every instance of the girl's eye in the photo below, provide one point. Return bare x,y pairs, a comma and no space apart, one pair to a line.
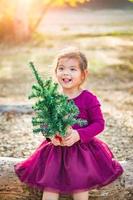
73,69
60,68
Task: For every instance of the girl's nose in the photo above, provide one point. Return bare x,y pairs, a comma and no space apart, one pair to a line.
66,72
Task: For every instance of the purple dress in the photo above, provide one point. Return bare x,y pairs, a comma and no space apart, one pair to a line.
87,164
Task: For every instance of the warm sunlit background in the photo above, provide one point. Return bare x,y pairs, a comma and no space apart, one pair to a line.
35,30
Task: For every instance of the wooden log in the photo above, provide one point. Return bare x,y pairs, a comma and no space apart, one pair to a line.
11,188
23,109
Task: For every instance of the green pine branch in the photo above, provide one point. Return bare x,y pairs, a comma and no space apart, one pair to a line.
53,112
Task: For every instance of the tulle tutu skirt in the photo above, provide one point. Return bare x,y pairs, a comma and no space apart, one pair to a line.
66,170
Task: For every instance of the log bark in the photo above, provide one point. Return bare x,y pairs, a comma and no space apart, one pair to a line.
11,188
22,109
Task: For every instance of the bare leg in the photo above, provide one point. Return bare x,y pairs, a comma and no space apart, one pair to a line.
81,195
50,196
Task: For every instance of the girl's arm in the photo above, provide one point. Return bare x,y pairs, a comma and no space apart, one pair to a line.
97,123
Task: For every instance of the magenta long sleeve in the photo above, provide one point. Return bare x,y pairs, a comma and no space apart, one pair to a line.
96,126
90,109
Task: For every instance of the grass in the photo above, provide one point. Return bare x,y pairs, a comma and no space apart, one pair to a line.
43,52
104,45
40,38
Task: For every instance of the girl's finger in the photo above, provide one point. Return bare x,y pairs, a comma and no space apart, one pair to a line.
69,129
56,144
57,141
67,143
68,138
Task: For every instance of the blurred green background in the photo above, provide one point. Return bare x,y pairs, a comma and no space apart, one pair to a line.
36,30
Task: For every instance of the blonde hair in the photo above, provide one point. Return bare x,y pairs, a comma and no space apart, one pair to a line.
72,52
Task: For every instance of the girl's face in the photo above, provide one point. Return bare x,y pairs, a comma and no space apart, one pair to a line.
69,74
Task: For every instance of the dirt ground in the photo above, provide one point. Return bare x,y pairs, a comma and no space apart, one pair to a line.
111,78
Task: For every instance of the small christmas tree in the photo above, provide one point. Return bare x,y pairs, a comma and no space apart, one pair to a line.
53,111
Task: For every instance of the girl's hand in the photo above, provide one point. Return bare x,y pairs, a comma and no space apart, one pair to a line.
72,137
56,140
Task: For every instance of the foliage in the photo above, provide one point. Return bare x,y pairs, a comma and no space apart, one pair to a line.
20,19
54,112
62,2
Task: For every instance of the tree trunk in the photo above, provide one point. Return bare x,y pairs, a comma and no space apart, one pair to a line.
11,188
21,21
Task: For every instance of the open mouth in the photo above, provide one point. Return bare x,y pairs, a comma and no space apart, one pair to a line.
67,80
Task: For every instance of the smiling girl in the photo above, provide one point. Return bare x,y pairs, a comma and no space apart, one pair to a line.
80,161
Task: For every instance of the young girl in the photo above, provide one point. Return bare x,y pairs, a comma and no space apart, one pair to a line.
81,161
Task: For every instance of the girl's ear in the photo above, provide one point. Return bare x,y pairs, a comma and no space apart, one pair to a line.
86,73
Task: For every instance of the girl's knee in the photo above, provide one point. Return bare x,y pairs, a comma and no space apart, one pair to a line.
50,196
81,195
